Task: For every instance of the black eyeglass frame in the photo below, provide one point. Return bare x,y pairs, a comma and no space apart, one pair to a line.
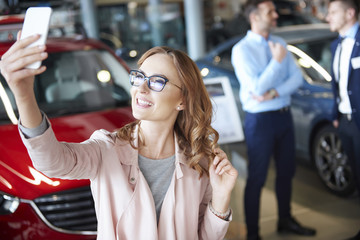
147,79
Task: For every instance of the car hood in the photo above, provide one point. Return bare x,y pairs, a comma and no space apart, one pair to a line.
17,175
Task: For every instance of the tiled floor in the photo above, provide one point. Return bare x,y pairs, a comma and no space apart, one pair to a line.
335,218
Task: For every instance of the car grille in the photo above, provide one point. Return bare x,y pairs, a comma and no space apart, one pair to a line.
70,210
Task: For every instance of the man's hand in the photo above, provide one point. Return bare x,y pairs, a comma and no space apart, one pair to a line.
269,95
278,51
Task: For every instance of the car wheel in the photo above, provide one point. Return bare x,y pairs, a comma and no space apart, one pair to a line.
332,163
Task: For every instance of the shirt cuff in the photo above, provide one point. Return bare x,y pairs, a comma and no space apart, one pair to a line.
37,131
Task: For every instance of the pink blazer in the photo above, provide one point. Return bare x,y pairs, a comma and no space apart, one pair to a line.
123,201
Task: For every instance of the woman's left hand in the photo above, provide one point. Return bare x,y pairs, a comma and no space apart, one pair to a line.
222,179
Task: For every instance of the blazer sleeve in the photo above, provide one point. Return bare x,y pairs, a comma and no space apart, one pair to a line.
211,227
65,160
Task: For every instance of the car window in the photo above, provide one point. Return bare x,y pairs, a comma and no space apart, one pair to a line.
76,81
120,74
7,103
295,19
315,60
313,57
8,35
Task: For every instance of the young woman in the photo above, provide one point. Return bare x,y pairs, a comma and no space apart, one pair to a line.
160,177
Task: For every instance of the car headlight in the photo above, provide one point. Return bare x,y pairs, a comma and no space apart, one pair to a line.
8,204
204,72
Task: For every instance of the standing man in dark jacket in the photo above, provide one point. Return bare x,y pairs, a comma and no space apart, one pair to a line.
343,18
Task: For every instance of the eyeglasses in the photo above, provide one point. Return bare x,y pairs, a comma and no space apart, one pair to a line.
155,82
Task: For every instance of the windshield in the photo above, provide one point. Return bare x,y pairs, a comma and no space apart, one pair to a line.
74,82
314,58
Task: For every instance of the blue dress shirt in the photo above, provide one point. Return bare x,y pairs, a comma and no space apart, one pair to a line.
351,33
258,72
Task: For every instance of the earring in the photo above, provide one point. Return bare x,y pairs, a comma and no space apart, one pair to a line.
178,108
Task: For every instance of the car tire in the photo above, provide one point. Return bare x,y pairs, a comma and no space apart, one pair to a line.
332,163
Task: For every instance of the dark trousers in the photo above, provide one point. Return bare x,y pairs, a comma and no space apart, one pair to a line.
268,134
350,137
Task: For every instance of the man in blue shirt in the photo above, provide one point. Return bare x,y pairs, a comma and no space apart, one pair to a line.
268,76
343,18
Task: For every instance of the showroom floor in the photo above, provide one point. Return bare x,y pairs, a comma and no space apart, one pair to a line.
335,218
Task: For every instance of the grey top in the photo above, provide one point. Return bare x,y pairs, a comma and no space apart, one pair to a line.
158,174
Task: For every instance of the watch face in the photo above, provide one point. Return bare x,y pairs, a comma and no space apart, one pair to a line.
273,93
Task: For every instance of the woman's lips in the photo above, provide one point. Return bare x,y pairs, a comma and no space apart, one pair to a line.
143,103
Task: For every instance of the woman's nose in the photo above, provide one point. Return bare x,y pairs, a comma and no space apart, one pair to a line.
144,86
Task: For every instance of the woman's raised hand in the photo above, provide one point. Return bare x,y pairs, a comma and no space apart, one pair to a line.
14,61
21,79
222,178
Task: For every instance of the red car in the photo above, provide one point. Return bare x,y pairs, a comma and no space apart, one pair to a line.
84,88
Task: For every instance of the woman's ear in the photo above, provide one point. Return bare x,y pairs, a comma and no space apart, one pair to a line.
180,106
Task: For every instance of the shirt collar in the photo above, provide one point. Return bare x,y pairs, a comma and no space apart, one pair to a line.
257,37
351,33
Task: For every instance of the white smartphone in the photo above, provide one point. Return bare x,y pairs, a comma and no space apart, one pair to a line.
37,20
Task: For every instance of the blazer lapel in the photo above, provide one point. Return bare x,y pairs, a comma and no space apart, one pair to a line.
355,52
333,47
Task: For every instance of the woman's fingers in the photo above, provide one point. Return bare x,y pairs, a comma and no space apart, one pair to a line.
224,169
26,57
18,35
220,161
221,165
220,154
20,44
19,56
16,55
14,69
28,72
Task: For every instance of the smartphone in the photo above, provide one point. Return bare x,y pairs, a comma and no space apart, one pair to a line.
37,20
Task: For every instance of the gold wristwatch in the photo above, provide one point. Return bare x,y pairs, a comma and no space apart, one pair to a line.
273,93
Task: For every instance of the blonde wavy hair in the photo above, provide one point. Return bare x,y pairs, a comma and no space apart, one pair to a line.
193,128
